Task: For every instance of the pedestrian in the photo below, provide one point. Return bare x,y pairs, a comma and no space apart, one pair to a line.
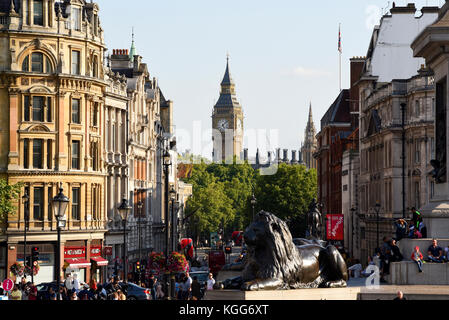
401,229
76,283
396,252
153,284
73,295
69,282
400,296
16,294
121,295
187,286
210,282
435,252
159,293
32,291
196,289
418,258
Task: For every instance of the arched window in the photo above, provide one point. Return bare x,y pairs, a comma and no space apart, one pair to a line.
37,62
95,67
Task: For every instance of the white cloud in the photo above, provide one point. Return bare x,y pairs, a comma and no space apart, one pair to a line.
309,72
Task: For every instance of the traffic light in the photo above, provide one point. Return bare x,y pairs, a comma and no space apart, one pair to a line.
138,266
34,255
228,250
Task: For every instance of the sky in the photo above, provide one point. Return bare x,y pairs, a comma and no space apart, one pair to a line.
283,56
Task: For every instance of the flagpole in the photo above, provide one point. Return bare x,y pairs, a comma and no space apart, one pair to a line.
339,50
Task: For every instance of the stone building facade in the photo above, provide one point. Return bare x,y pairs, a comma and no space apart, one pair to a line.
52,90
395,99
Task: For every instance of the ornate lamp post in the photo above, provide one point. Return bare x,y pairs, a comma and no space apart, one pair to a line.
253,203
377,221
124,210
172,199
140,206
26,203
166,158
60,203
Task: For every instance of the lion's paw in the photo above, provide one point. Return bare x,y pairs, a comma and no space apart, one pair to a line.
250,286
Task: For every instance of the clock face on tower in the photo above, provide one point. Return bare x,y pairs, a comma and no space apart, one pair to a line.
223,124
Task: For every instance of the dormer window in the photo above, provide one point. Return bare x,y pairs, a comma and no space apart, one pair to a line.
39,63
38,12
76,18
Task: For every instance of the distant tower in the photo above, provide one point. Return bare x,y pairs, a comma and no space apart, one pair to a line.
132,51
227,120
310,144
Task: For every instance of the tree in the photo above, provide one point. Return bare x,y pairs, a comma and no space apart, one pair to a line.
288,194
8,194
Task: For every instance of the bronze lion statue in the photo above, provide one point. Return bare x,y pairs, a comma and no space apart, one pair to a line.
274,262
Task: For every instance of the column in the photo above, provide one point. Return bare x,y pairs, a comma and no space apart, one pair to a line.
46,203
45,13
44,153
31,212
30,12
13,156
61,163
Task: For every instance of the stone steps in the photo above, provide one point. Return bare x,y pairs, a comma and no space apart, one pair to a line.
406,273
407,246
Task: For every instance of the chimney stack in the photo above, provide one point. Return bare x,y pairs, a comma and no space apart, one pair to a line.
285,155
294,157
245,154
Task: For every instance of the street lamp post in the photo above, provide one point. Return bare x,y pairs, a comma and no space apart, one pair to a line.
166,158
26,203
140,206
353,231
124,210
377,221
60,203
253,203
172,199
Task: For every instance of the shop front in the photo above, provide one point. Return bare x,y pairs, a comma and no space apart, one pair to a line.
99,264
75,262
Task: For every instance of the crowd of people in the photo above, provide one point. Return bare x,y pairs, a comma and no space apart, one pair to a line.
389,251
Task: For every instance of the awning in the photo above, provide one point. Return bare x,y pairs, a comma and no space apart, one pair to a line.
99,261
77,263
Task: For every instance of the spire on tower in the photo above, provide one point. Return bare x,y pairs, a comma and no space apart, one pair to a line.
227,79
132,52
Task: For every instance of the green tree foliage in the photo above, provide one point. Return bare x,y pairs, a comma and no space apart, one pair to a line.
223,192
8,193
288,194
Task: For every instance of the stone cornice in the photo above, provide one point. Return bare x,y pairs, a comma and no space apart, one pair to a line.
52,173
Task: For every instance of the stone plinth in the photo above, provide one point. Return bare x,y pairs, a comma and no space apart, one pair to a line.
436,218
408,245
301,294
406,273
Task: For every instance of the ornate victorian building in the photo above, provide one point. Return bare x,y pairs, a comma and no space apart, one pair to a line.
52,88
227,122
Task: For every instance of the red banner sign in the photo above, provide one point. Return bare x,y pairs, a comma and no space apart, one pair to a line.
95,251
74,252
335,227
107,251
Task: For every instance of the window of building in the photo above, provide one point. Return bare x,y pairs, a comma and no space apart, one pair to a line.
49,155
417,152
94,146
37,153
95,67
38,109
38,205
417,108
94,202
95,115
432,148
76,155
38,12
76,116
39,63
76,18
417,195
432,190
49,208
76,62
76,204
26,108
26,164
49,106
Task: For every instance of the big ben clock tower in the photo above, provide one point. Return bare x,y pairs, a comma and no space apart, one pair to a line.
227,122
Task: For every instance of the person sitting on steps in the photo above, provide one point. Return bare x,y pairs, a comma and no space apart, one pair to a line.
417,257
435,252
